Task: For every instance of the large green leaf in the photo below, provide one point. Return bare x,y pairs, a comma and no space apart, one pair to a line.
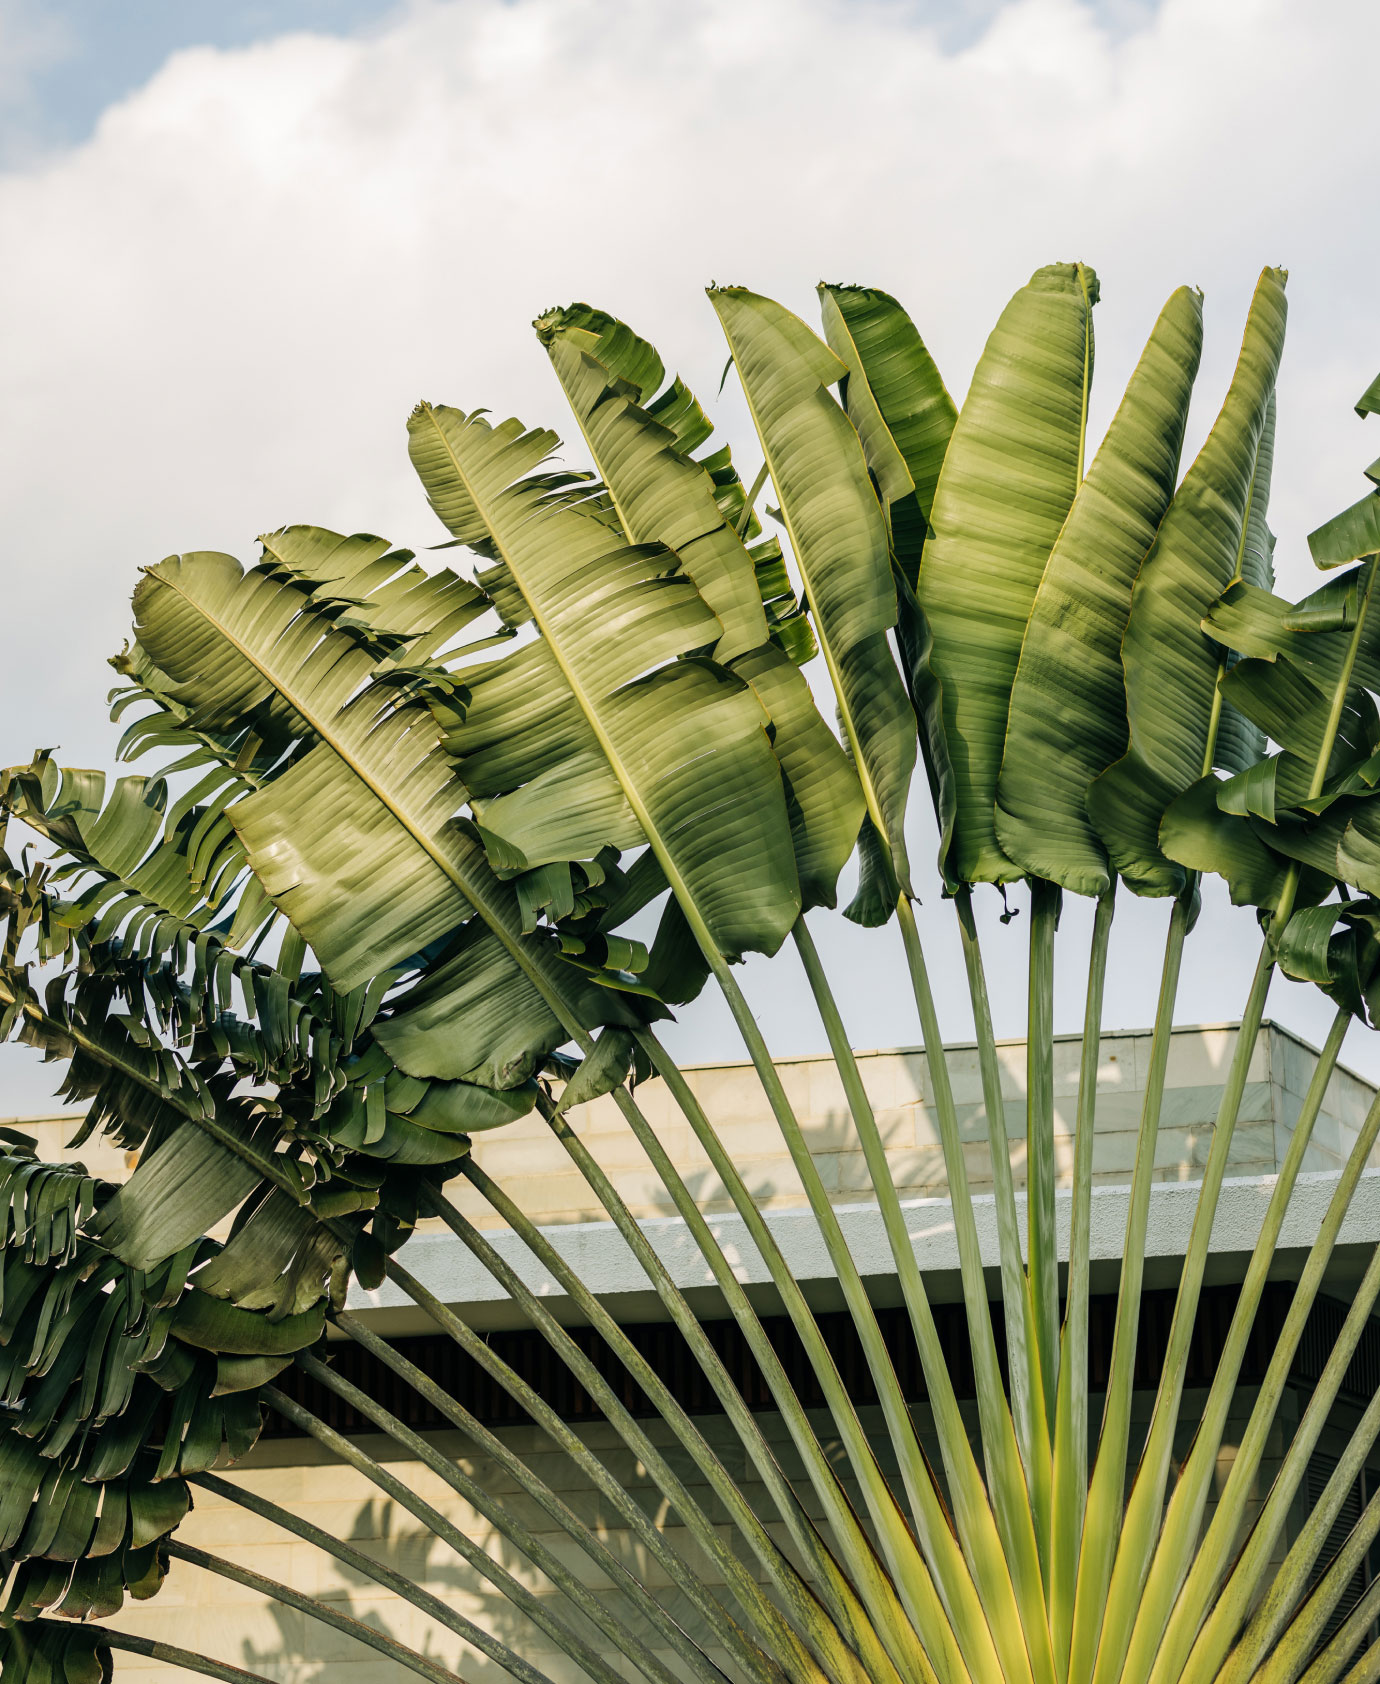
661,495
140,866
376,590
838,537
903,414
1172,667
212,1324
897,402
54,1652
1241,742
1304,678
1008,480
281,1259
185,1186
1348,536
664,497
824,799
1068,707
469,1019
1199,835
357,842
531,763
680,742
42,1205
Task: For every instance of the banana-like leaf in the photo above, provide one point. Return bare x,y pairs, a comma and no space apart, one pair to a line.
1240,742
605,1069
664,497
1349,536
1009,477
1335,947
282,1260
212,1324
470,1019
357,841
532,765
661,495
376,590
1067,720
838,537
93,1446
680,742
1197,834
177,1192
1172,668
143,872
1305,677
824,800
677,969
904,416
42,1206
898,404
54,1652
464,1108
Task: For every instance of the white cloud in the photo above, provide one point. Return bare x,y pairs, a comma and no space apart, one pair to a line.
217,313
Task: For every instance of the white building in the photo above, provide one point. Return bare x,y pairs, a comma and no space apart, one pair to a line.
204,1612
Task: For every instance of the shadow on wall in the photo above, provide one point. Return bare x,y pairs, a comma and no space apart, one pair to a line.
303,1651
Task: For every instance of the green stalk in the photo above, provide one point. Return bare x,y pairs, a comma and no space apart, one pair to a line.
817,1626
1334,716
1328,1666
1151,1643
1145,1507
566,1641
650,1537
960,1611
1023,1363
1070,1472
954,1607
878,1594
990,1543
1102,1512
739,1580
366,1565
1006,1474
370,1636
745,519
593,1606
269,1170
1219,1546
1308,1628
1045,899
170,1655
1241,1590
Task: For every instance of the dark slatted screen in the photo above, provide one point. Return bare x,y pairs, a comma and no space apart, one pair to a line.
1321,1467
529,1355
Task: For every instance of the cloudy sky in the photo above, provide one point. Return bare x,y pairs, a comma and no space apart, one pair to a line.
241,240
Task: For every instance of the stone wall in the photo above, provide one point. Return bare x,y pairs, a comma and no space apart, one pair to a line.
199,1610
537,1173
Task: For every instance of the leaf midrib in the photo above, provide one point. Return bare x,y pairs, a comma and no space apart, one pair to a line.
874,809
674,877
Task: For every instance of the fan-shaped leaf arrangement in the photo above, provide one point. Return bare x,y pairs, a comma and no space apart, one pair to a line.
389,882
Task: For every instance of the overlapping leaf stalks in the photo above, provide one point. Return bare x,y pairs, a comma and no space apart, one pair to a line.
393,882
